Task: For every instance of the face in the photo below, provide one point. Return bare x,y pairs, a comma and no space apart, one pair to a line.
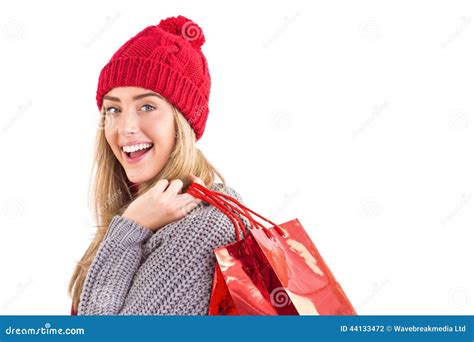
140,130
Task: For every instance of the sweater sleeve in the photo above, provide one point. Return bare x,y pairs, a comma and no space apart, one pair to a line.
113,268
186,285
189,282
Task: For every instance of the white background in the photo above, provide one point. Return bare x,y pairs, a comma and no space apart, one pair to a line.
355,118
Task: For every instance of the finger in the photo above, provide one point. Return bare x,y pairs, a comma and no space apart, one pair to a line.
197,180
186,198
188,207
161,185
175,186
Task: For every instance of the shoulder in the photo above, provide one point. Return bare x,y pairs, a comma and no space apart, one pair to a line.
206,223
205,226
227,190
216,219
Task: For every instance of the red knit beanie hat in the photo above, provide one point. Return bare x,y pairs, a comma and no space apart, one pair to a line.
167,59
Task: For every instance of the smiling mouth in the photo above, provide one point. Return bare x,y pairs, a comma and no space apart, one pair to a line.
137,155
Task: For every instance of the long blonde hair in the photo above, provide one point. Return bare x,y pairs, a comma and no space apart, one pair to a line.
111,189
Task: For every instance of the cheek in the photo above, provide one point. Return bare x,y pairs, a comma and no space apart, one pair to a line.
110,138
162,133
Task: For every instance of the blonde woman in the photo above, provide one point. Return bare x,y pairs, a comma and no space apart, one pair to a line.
152,251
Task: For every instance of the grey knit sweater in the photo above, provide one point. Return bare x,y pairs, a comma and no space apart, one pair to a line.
169,272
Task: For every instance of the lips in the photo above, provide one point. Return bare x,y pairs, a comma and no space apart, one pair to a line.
139,157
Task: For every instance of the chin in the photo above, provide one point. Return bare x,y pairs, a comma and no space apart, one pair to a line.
138,179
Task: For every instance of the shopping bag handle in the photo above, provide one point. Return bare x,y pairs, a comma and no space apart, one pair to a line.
219,204
228,203
275,226
228,209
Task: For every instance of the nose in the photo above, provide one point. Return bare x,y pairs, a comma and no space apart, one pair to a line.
128,123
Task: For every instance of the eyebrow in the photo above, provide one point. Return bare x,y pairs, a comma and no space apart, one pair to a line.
135,98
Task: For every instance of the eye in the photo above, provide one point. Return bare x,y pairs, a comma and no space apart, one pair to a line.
150,107
108,110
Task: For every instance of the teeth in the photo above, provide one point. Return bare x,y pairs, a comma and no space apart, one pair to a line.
133,148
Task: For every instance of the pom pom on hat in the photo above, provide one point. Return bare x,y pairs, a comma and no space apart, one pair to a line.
184,28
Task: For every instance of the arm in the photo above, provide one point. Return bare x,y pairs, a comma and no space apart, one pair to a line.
113,268
185,283
194,272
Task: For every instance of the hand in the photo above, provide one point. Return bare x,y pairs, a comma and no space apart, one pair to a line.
162,204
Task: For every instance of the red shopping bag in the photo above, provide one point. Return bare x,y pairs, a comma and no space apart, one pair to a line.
269,271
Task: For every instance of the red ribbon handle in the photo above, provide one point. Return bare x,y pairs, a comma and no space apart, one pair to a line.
229,206
212,199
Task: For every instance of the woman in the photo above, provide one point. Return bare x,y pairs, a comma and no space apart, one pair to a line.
152,252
